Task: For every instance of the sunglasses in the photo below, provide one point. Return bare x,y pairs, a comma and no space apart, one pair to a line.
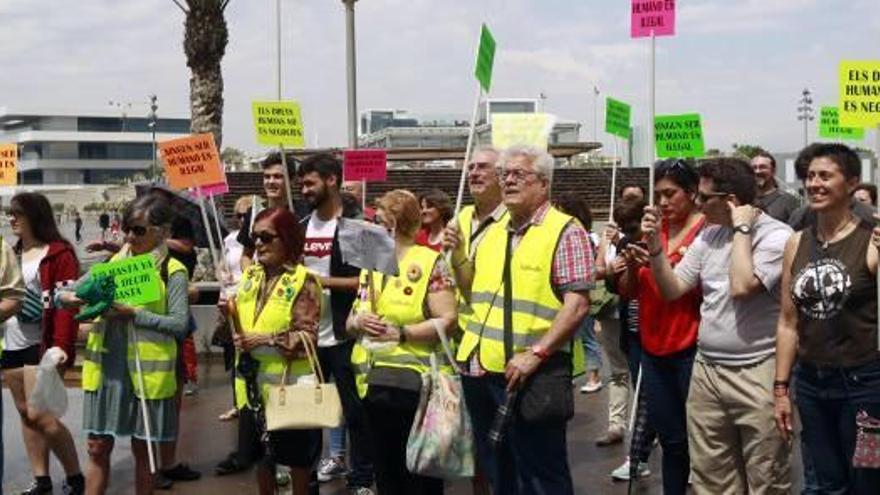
705,197
677,166
241,215
263,237
137,230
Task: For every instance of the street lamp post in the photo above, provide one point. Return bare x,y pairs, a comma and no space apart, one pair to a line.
805,113
351,73
152,124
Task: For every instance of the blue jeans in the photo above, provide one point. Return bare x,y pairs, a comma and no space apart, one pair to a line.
592,349
666,381
532,459
828,399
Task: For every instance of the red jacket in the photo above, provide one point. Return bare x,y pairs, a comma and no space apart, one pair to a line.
58,268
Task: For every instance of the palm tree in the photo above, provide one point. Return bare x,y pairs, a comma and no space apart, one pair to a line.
204,43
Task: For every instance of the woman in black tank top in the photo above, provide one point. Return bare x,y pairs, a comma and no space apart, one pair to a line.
828,323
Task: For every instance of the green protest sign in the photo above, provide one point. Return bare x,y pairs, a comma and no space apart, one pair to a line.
485,58
136,279
617,115
678,136
829,126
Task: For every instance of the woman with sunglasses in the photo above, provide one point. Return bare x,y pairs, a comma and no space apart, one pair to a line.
47,261
828,325
111,405
278,305
667,330
400,316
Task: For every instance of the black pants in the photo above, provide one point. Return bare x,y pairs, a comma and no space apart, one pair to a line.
336,362
390,412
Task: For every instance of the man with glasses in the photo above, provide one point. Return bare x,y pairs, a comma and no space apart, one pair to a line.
527,304
770,199
737,263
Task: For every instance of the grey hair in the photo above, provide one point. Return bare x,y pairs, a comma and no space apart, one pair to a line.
541,161
486,149
154,207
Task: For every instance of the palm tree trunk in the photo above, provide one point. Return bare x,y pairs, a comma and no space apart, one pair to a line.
204,43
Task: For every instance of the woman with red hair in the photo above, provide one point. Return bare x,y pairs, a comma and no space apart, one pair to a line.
279,305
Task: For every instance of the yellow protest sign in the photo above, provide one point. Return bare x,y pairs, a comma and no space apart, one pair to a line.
531,129
859,93
8,164
278,123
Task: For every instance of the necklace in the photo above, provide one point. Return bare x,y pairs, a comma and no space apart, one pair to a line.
834,234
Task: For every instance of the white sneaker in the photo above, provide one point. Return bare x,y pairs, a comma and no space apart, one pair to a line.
331,468
622,472
589,388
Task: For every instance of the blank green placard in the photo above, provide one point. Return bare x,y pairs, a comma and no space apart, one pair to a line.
617,115
485,58
136,278
679,136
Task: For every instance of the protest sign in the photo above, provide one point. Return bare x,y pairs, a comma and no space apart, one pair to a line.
369,165
485,58
617,115
679,136
8,164
859,104
531,129
829,126
657,16
136,279
191,161
278,123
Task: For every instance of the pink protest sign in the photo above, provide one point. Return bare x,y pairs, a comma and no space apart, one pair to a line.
367,164
211,190
652,15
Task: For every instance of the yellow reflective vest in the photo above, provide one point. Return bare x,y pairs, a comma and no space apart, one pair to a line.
157,350
465,226
399,300
274,318
534,304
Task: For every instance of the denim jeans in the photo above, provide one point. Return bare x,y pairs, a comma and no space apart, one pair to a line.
828,400
532,459
1,442
592,349
666,381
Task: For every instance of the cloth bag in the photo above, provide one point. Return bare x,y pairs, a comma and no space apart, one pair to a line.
303,405
440,442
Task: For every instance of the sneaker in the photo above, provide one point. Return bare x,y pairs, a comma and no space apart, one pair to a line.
282,476
611,437
622,472
230,465
190,388
74,485
591,387
161,482
37,488
181,472
360,490
331,468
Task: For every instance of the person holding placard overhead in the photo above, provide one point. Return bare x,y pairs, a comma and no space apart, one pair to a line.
278,305
48,262
826,340
527,305
112,386
401,317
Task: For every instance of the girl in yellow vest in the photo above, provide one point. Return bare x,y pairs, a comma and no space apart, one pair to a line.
399,326
278,303
112,388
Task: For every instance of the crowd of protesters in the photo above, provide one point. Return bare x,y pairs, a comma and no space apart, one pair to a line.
728,315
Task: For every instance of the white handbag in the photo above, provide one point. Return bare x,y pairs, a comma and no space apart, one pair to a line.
303,406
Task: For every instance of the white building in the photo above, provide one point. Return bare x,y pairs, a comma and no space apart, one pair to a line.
83,147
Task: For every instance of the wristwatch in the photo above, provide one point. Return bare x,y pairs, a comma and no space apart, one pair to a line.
743,228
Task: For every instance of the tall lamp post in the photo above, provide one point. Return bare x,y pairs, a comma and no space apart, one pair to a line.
154,171
351,73
805,113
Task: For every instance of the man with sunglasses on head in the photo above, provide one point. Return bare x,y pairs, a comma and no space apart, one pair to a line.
320,178
737,263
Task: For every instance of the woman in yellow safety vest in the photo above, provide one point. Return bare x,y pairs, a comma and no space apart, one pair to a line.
397,319
112,386
278,303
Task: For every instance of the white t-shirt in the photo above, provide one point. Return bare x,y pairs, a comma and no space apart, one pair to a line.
20,335
233,250
316,256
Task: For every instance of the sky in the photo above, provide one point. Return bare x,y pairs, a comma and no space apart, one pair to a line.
741,64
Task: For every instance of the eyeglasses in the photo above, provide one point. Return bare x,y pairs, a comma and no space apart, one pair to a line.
705,197
517,174
263,237
137,230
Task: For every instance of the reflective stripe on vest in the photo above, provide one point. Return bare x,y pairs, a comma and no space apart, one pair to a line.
274,318
157,351
534,304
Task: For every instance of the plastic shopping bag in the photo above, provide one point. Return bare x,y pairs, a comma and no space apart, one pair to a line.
49,394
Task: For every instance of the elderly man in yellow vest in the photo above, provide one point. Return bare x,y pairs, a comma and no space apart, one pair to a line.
529,292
